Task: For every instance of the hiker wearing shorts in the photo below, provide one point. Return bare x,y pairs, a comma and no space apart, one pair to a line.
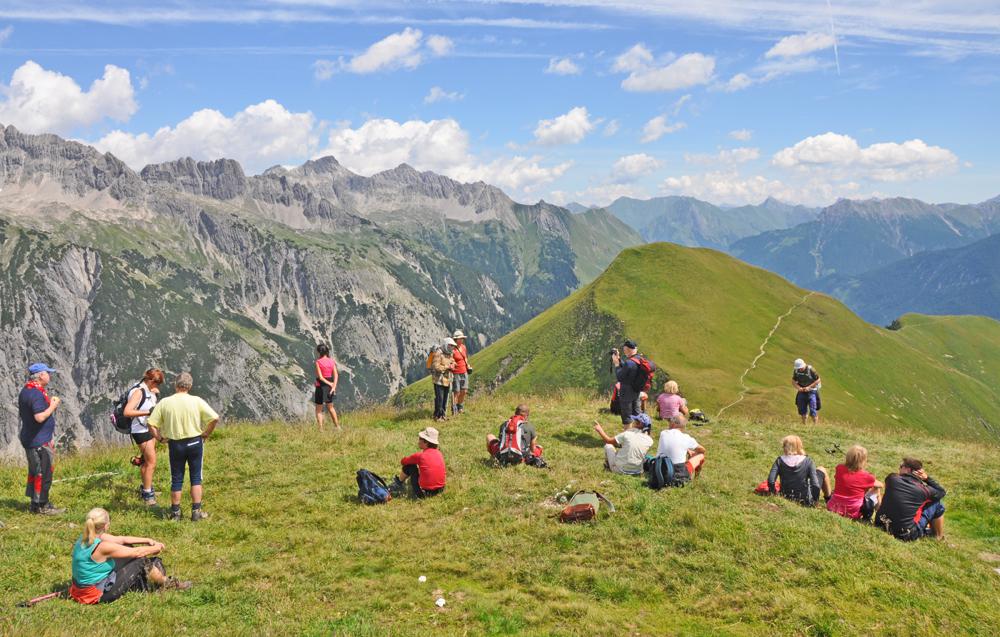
38,423
801,480
627,371
460,374
442,365
527,447
138,407
911,508
425,469
185,422
683,451
855,491
326,385
106,566
807,383
625,452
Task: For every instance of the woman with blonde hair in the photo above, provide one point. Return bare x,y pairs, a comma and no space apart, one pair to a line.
856,493
801,479
670,402
106,566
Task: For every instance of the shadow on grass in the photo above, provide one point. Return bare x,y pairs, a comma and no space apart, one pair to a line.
587,440
14,505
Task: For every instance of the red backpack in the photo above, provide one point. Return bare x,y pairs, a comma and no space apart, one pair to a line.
511,449
644,379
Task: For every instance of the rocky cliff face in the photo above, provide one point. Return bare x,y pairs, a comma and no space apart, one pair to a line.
194,265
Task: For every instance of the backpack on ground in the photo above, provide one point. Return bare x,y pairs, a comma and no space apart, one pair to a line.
644,377
660,472
698,417
119,420
764,489
583,507
511,449
372,488
616,409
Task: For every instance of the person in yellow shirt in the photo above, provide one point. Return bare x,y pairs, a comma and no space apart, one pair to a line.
185,422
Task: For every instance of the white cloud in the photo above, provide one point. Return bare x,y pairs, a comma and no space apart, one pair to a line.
518,174
569,128
772,70
562,66
742,134
259,136
801,44
737,82
669,74
841,155
5,33
631,167
611,128
604,194
730,187
403,50
438,94
658,127
42,101
725,156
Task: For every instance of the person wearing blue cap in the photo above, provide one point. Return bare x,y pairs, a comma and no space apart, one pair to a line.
38,423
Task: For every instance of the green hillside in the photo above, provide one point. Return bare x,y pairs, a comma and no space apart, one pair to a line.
288,551
702,316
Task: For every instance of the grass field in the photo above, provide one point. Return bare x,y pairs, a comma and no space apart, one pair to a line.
289,551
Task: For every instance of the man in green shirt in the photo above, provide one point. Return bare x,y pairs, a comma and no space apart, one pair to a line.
185,422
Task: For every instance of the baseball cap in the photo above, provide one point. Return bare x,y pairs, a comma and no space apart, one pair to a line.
630,344
36,368
799,363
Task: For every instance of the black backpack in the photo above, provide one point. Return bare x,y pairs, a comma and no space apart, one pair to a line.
661,472
119,420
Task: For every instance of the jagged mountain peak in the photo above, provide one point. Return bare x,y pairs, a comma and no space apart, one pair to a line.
218,178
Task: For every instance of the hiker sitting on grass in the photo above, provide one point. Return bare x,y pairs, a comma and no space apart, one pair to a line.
517,441
670,402
632,445
687,456
855,492
425,469
106,566
911,508
801,480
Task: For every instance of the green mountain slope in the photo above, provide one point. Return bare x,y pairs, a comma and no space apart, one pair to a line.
703,316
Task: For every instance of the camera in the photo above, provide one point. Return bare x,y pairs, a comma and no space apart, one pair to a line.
613,352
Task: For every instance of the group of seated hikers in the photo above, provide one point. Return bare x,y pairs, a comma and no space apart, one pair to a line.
909,509
678,453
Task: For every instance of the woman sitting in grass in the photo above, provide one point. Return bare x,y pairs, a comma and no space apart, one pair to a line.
801,480
856,492
670,402
106,566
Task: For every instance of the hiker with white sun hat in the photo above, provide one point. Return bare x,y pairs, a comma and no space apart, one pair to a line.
442,365
806,382
460,375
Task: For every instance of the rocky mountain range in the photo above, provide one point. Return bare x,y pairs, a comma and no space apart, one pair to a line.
196,265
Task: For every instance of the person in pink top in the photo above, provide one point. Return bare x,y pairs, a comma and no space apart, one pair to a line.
670,402
856,493
326,385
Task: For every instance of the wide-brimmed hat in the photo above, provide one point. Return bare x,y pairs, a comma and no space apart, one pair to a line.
450,341
799,363
458,334
430,434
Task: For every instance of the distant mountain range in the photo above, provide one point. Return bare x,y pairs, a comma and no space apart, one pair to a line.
196,265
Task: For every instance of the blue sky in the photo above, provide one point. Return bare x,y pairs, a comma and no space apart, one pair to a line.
570,100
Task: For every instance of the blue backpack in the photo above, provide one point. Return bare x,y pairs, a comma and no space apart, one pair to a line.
372,488
661,472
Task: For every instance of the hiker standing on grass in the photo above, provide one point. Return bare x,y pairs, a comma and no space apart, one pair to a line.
627,372
460,375
185,422
38,423
326,385
442,365
425,469
683,451
911,508
807,383
517,441
631,444
138,407
855,492
801,480
106,566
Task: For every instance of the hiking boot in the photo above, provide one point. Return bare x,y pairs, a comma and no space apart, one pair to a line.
175,516
395,487
174,584
46,509
198,515
149,500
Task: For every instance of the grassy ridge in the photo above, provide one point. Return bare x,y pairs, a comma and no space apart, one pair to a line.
288,551
703,316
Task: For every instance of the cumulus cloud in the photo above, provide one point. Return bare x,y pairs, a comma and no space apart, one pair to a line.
404,50
569,128
517,174
742,134
658,127
41,101
259,136
725,156
738,82
563,66
771,70
631,167
646,74
842,155
730,187
801,44
438,94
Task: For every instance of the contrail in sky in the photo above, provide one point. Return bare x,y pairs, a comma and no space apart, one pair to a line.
836,53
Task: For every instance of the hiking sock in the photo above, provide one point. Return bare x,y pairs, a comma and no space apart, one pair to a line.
195,506
175,509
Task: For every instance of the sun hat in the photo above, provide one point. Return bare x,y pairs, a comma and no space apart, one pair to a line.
799,363
430,434
450,341
36,368
458,334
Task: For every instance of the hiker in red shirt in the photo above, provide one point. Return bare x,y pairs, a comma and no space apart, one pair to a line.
424,469
460,374
856,492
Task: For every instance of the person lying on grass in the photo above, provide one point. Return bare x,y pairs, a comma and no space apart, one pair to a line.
631,444
106,566
801,480
517,441
684,452
911,508
855,492
425,469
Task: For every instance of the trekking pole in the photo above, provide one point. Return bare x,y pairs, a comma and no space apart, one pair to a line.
42,598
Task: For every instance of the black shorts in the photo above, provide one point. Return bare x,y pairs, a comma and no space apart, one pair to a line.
323,395
143,437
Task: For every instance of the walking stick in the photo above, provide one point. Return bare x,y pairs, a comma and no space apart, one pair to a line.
43,598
